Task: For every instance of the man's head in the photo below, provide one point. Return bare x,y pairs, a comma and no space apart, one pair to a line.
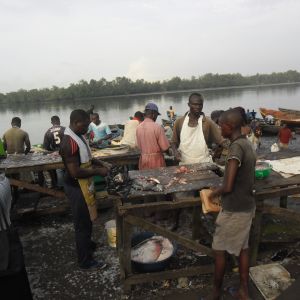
139,115
230,122
196,104
151,111
16,121
79,121
95,118
215,115
241,110
171,107
55,120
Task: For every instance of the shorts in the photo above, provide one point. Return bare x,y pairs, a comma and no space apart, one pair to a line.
232,231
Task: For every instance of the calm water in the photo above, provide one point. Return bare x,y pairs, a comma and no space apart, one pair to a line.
36,117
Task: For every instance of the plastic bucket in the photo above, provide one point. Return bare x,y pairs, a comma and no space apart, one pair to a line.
111,231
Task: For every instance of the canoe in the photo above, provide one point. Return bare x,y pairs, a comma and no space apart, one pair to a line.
269,129
290,111
289,119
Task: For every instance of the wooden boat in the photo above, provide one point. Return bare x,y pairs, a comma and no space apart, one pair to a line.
289,119
269,129
290,111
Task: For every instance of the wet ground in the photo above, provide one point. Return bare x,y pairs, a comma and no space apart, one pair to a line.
53,273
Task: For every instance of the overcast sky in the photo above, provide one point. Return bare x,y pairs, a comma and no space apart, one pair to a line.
58,42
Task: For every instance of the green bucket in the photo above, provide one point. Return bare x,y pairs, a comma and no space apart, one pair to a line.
262,170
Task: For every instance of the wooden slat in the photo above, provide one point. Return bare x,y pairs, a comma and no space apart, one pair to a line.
170,274
288,213
273,193
161,205
190,244
37,188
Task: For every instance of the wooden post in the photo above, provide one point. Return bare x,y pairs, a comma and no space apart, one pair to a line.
127,231
283,201
255,233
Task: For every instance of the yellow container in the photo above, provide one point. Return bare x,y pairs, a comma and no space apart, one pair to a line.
111,231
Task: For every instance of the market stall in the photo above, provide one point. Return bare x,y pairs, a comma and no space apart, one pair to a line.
129,213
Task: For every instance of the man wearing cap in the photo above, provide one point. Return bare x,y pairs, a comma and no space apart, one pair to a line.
151,140
193,132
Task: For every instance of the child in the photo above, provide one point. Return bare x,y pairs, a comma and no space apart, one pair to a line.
238,204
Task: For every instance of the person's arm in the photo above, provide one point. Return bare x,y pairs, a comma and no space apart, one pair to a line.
76,172
101,163
46,143
176,140
162,140
229,178
27,143
216,137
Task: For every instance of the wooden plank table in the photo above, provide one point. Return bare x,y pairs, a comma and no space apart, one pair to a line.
129,214
45,161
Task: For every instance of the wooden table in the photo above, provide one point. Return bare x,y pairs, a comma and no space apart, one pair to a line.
36,162
129,214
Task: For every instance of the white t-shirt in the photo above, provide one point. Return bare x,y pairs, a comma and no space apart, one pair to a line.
129,137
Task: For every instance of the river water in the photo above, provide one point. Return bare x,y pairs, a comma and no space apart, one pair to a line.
36,116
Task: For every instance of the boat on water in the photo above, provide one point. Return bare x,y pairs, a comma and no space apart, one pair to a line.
290,119
290,111
269,129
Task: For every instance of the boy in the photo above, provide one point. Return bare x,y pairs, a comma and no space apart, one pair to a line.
238,204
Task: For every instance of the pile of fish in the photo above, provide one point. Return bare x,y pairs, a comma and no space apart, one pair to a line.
118,181
143,183
155,249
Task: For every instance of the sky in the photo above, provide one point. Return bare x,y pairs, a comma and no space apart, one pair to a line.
59,42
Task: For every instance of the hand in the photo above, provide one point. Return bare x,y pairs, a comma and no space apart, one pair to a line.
107,165
102,171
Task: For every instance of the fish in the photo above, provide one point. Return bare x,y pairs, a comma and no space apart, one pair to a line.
147,251
167,250
156,248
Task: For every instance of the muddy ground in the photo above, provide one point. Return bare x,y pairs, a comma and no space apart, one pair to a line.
53,273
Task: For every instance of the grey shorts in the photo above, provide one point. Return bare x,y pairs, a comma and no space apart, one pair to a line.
232,231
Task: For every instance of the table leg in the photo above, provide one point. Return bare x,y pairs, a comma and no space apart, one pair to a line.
127,231
255,233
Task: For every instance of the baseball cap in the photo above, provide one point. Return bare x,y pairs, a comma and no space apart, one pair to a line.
152,106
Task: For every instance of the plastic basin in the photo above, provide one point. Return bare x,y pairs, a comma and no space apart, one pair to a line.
262,170
150,267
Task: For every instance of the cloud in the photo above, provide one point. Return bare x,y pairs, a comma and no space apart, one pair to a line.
138,69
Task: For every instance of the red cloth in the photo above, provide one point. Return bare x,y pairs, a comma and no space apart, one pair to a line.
152,141
285,135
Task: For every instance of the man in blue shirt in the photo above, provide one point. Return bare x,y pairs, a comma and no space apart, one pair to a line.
99,132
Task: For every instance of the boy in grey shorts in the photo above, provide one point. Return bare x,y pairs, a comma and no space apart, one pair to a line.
238,204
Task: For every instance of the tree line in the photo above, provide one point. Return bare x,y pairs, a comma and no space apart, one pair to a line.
126,86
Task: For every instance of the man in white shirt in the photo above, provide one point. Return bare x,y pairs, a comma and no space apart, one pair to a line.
129,137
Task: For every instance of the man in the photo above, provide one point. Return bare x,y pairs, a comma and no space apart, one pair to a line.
238,205
171,113
284,136
54,135
78,185
129,137
15,138
52,140
98,131
151,140
193,132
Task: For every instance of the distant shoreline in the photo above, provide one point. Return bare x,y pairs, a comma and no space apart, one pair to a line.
190,90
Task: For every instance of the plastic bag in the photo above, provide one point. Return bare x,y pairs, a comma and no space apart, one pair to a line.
274,147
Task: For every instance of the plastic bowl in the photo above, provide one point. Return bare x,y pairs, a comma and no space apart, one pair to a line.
262,170
150,267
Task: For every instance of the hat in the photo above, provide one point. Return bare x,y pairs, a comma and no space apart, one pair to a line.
152,106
